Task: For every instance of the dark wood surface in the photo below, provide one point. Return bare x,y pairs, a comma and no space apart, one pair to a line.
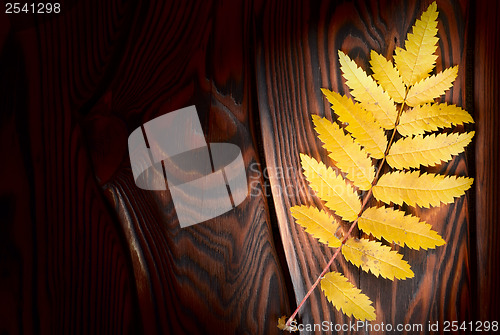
64,258
86,250
221,275
83,250
486,260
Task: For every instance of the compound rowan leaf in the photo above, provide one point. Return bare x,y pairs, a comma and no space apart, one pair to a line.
431,117
407,83
365,90
348,155
377,258
360,123
411,152
331,188
432,87
346,297
417,60
387,76
423,190
394,226
318,223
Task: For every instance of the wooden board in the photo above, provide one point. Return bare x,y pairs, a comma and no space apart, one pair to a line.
296,56
221,276
83,250
78,262
485,265
65,264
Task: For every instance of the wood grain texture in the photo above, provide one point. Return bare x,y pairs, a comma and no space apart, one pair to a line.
65,266
83,250
86,251
296,56
221,276
486,107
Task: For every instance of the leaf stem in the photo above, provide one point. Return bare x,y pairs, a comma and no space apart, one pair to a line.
388,144
348,234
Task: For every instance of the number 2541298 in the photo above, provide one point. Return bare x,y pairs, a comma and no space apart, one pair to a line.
32,8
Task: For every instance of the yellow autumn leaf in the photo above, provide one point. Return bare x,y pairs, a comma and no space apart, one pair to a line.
431,117
360,123
417,60
282,324
365,90
387,76
317,223
331,188
377,258
348,155
406,82
394,226
423,190
429,88
346,297
411,152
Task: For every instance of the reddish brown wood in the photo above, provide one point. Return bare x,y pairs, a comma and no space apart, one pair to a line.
77,262
65,266
221,276
83,250
486,109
